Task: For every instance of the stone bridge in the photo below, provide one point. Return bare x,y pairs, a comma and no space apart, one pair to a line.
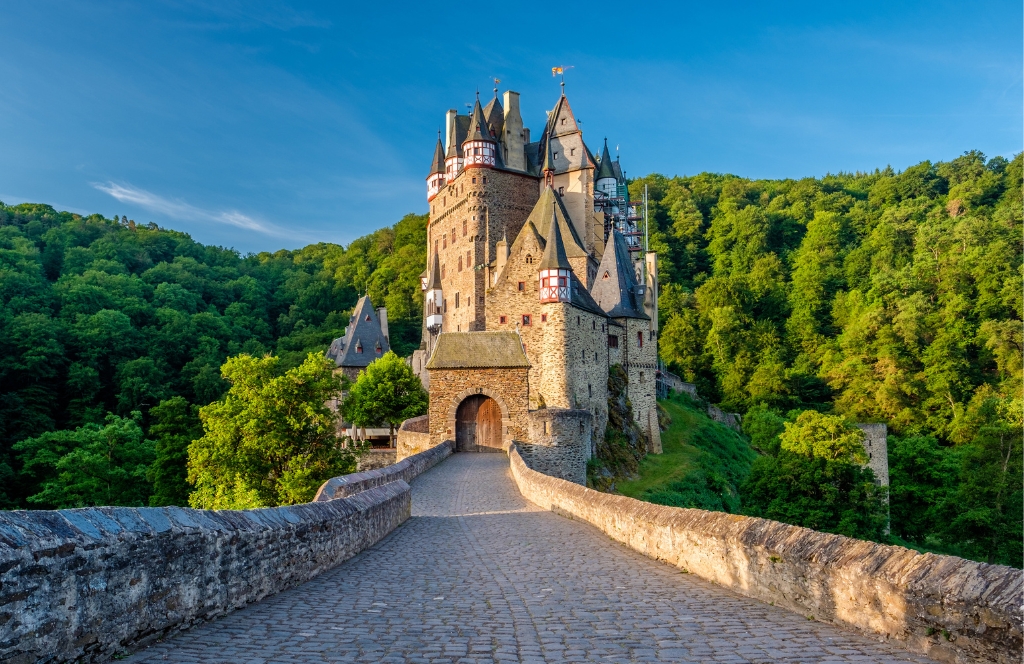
480,574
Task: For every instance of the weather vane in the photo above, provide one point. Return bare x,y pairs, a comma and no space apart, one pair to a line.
560,71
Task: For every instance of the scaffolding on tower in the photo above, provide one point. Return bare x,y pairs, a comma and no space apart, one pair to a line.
626,216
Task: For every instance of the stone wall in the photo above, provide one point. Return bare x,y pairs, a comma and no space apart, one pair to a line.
952,609
449,387
559,443
877,447
413,437
405,470
374,459
86,584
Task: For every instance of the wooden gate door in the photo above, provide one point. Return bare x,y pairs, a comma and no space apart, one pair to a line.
488,424
465,423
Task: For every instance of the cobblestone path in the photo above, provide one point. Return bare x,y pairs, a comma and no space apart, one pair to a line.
480,575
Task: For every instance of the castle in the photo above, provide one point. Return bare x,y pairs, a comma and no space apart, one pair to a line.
537,282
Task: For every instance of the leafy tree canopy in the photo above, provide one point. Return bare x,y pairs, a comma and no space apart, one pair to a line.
272,439
386,392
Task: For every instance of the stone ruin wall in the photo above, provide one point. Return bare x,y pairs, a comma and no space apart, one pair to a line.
951,609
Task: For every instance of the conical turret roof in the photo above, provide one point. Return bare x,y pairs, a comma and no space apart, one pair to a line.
478,129
605,169
437,165
554,252
615,289
549,160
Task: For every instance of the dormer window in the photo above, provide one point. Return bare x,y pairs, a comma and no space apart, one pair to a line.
522,285
561,191
367,319
378,348
529,259
563,120
359,346
605,275
556,155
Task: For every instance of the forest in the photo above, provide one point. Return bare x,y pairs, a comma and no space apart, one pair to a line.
112,332
878,297
887,296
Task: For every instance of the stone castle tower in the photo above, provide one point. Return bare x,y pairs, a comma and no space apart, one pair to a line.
538,239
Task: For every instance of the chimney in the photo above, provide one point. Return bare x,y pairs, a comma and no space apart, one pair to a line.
449,129
382,316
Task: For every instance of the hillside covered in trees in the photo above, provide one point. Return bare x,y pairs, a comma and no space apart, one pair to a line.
103,316
882,297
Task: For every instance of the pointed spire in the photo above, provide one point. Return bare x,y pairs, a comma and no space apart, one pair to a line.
434,280
478,130
549,160
616,289
605,169
437,165
554,252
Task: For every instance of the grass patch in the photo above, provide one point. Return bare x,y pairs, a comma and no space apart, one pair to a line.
702,463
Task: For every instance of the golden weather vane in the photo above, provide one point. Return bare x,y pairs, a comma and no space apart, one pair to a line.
560,71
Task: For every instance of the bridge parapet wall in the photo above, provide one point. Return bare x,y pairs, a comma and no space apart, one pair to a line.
953,609
405,470
413,437
85,584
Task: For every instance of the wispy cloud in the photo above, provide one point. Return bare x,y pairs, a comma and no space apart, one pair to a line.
182,211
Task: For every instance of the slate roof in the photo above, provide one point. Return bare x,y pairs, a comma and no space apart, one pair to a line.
605,170
437,165
363,341
478,129
495,116
554,252
618,294
540,217
460,128
478,350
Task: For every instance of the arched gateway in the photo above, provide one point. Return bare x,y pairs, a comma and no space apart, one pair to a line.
479,390
478,424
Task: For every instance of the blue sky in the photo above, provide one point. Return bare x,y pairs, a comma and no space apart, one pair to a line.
267,125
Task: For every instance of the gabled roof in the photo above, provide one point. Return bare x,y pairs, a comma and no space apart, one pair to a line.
617,294
495,116
540,217
434,278
459,128
605,169
478,350
554,252
363,341
437,165
478,128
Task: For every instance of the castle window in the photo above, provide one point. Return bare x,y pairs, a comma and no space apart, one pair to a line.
652,335
469,259
464,225
572,151
595,356
556,155
613,341
367,318
445,301
456,300
526,319
442,271
563,120
436,242
444,241
561,191
605,274
577,321
641,376
502,319
485,179
460,263
640,339
359,347
583,355
543,318
474,180
590,391
522,285
453,236
593,324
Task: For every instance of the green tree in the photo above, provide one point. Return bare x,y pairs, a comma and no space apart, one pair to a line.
91,465
387,391
175,424
271,440
821,436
